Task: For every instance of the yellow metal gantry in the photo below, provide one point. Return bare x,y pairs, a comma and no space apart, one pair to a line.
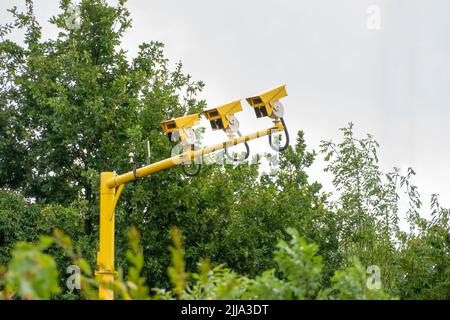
111,186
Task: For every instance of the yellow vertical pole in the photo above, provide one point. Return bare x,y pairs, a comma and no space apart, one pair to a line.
105,256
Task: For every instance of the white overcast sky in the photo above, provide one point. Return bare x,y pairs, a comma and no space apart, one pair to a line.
392,82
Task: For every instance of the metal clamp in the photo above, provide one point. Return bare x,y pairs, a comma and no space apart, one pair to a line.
247,153
286,145
189,174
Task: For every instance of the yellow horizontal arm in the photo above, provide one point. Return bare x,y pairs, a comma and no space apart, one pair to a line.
187,156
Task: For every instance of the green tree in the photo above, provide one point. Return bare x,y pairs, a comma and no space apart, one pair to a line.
367,204
425,256
414,263
75,105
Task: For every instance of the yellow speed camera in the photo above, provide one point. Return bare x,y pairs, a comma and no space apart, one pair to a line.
223,117
267,104
180,129
180,123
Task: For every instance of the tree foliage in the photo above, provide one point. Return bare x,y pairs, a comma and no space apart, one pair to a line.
297,263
